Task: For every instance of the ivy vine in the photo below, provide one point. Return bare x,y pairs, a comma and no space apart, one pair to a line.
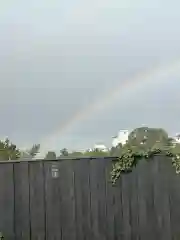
130,157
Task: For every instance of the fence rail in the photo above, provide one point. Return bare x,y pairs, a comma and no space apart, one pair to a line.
74,200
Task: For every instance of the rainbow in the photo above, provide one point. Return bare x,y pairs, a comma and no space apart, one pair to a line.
121,90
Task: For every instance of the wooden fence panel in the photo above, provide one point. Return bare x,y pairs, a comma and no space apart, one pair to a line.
126,224
68,212
144,193
74,200
37,206
82,196
7,200
98,168
111,208
114,216
98,208
53,195
172,184
133,204
146,210
21,201
166,181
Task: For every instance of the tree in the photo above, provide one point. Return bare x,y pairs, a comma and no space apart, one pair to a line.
50,155
170,142
64,152
76,154
96,153
147,137
116,151
159,145
8,151
176,148
34,150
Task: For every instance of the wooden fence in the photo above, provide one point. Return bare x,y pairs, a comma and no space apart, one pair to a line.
74,200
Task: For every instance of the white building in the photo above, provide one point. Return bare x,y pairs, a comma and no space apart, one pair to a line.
122,138
101,147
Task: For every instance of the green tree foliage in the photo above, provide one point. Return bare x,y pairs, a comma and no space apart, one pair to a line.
96,153
50,155
147,137
176,148
116,151
170,142
76,154
8,151
34,150
64,152
144,143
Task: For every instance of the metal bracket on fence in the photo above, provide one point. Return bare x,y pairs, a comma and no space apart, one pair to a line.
55,171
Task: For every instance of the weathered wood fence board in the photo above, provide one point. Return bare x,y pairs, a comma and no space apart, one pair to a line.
74,200
36,199
7,200
21,199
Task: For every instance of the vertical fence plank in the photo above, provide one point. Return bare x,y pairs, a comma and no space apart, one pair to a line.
98,199
37,208
144,187
134,208
165,178
53,195
161,198
125,188
94,199
141,200
173,184
7,200
111,207
147,187
82,194
68,210
115,228
21,201
80,176
102,204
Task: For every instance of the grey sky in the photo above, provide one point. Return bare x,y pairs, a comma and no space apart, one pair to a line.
59,56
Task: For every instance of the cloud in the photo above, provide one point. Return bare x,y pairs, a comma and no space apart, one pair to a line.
58,57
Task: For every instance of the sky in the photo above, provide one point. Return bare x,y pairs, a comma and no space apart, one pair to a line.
59,57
